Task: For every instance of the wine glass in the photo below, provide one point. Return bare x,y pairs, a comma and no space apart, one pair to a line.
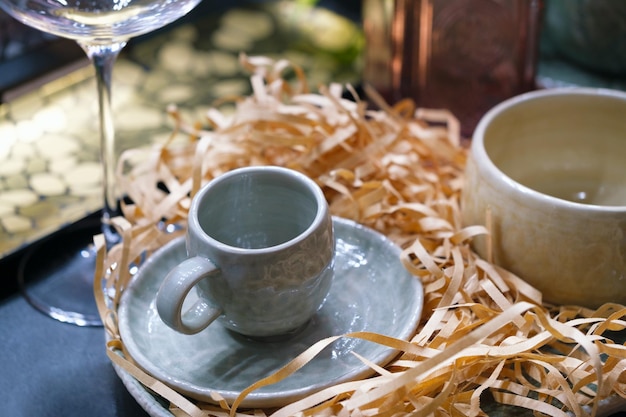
56,276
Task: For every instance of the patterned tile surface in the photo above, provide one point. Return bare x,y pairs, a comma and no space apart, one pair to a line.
50,173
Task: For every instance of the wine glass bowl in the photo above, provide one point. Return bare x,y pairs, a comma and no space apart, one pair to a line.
58,281
97,21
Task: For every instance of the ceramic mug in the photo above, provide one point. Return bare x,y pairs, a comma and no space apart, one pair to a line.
260,251
548,168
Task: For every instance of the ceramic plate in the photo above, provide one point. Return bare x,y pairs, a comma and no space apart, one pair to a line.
371,291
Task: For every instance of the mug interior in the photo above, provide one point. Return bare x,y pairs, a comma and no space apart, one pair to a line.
257,210
571,146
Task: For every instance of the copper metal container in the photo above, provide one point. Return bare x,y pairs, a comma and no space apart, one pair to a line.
462,55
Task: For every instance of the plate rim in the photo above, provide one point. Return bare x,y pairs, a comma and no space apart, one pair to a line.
269,399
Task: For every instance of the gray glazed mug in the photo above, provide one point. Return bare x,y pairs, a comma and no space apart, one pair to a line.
260,251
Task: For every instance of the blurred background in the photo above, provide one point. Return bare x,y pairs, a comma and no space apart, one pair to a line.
464,55
582,41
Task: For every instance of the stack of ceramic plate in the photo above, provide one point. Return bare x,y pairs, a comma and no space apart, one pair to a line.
371,291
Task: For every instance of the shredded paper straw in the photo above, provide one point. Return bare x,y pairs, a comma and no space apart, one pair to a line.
399,170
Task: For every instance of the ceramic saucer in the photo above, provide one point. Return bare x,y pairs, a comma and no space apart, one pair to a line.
371,291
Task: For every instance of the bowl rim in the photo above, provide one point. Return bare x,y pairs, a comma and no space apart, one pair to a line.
488,169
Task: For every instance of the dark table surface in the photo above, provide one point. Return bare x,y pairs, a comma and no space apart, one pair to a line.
49,368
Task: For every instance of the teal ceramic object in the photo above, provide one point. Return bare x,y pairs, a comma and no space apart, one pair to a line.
371,291
590,33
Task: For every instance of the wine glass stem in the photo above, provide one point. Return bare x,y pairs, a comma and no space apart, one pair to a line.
103,58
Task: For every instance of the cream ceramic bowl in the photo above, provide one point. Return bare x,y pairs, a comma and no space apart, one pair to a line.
550,168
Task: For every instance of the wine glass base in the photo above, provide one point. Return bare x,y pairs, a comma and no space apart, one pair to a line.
56,275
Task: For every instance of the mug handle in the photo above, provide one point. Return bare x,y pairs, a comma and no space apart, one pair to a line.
175,289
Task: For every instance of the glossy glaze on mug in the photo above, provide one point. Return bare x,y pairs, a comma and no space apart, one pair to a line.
269,232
